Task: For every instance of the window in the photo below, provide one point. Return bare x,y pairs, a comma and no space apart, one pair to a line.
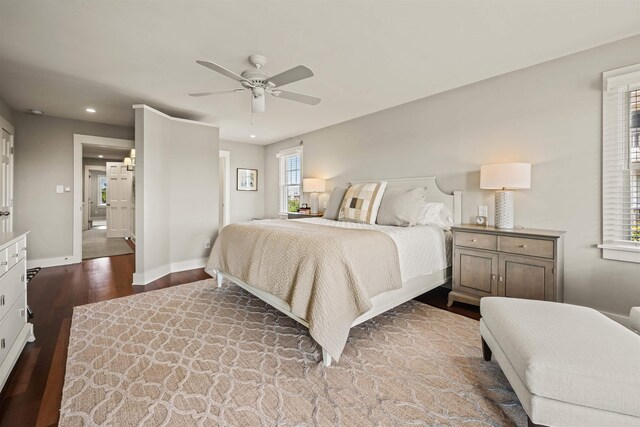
621,165
290,179
102,190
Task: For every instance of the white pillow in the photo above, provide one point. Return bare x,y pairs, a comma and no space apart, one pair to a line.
433,213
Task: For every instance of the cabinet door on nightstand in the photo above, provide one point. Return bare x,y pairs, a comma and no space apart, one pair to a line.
524,277
475,272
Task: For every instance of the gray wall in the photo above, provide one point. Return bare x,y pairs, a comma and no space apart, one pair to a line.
176,192
245,205
549,115
44,158
6,112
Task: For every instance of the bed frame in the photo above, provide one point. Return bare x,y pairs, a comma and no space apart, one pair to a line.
387,300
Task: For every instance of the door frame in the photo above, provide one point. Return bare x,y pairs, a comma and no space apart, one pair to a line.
225,155
86,217
4,124
78,142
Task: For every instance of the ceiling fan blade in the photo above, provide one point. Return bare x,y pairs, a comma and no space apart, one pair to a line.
217,92
220,69
293,75
298,97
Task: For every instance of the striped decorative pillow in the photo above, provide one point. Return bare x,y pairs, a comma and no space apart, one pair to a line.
361,202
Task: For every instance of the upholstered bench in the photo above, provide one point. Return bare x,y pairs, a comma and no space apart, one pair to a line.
569,365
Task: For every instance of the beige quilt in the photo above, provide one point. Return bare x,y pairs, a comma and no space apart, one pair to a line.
327,275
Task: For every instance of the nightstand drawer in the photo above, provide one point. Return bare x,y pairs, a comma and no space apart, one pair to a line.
475,240
526,246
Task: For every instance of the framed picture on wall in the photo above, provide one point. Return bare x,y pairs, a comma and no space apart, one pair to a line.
247,180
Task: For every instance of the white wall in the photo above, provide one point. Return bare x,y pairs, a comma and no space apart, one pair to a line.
44,158
176,193
245,205
548,115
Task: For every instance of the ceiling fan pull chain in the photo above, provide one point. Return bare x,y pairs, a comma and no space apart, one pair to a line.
252,118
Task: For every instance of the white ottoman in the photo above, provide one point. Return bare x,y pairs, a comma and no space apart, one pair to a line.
569,365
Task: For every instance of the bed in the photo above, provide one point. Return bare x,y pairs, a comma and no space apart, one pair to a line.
422,253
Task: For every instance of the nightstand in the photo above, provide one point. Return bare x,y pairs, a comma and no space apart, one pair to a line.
517,263
298,215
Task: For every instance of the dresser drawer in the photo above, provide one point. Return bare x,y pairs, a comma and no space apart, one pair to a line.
475,240
12,285
526,246
12,254
22,248
11,326
4,261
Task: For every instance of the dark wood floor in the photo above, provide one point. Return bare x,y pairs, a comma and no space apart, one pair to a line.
33,392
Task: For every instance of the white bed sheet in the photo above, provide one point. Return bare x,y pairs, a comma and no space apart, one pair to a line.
423,249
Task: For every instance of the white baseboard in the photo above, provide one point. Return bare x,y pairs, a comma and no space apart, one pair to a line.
141,279
51,262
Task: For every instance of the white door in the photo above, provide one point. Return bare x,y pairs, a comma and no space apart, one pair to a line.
6,182
119,181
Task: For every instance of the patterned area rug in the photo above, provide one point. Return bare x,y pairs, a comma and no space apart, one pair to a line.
200,355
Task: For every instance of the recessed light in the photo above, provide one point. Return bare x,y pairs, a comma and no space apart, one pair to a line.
90,110
100,156
252,136
36,112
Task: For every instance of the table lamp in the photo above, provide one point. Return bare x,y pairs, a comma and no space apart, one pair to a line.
504,177
313,186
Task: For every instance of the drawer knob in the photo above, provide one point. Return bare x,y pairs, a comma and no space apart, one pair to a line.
1,299
473,240
15,255
523,246
3,344
500,277
4,263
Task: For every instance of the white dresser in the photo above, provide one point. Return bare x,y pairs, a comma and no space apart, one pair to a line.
15,332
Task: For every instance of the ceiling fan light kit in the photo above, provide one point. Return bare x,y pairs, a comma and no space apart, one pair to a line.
261,83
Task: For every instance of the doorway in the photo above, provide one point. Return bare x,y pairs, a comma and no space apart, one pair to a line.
224,190
103,197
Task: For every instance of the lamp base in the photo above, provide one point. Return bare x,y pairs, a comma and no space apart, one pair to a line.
314,203
504,209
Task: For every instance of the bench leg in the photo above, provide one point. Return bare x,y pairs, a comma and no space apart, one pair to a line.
486,351
532,424
326,359
219,278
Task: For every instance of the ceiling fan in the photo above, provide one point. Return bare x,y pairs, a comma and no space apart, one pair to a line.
261,83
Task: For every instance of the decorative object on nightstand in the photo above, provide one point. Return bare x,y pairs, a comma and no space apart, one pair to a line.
504,177
481,220
299,215
313,186
518,263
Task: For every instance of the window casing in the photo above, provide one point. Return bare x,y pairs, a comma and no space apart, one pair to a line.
621,165
290,179
102,191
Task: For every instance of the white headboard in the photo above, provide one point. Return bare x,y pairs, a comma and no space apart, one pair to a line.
452,201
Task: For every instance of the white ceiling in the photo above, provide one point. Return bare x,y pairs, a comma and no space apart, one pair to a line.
63,56
107,153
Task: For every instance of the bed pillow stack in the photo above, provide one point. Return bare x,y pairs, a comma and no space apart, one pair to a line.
361,202
401,208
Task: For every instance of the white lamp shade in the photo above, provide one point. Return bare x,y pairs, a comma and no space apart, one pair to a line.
313,185
510,176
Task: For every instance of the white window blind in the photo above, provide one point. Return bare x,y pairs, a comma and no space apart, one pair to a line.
621,165
290,176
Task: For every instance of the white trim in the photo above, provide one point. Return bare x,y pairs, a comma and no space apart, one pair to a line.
226,155
620,252
50,262
176,119
78,141
4,124
621,77
289,152
191,264
14,352
141,279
